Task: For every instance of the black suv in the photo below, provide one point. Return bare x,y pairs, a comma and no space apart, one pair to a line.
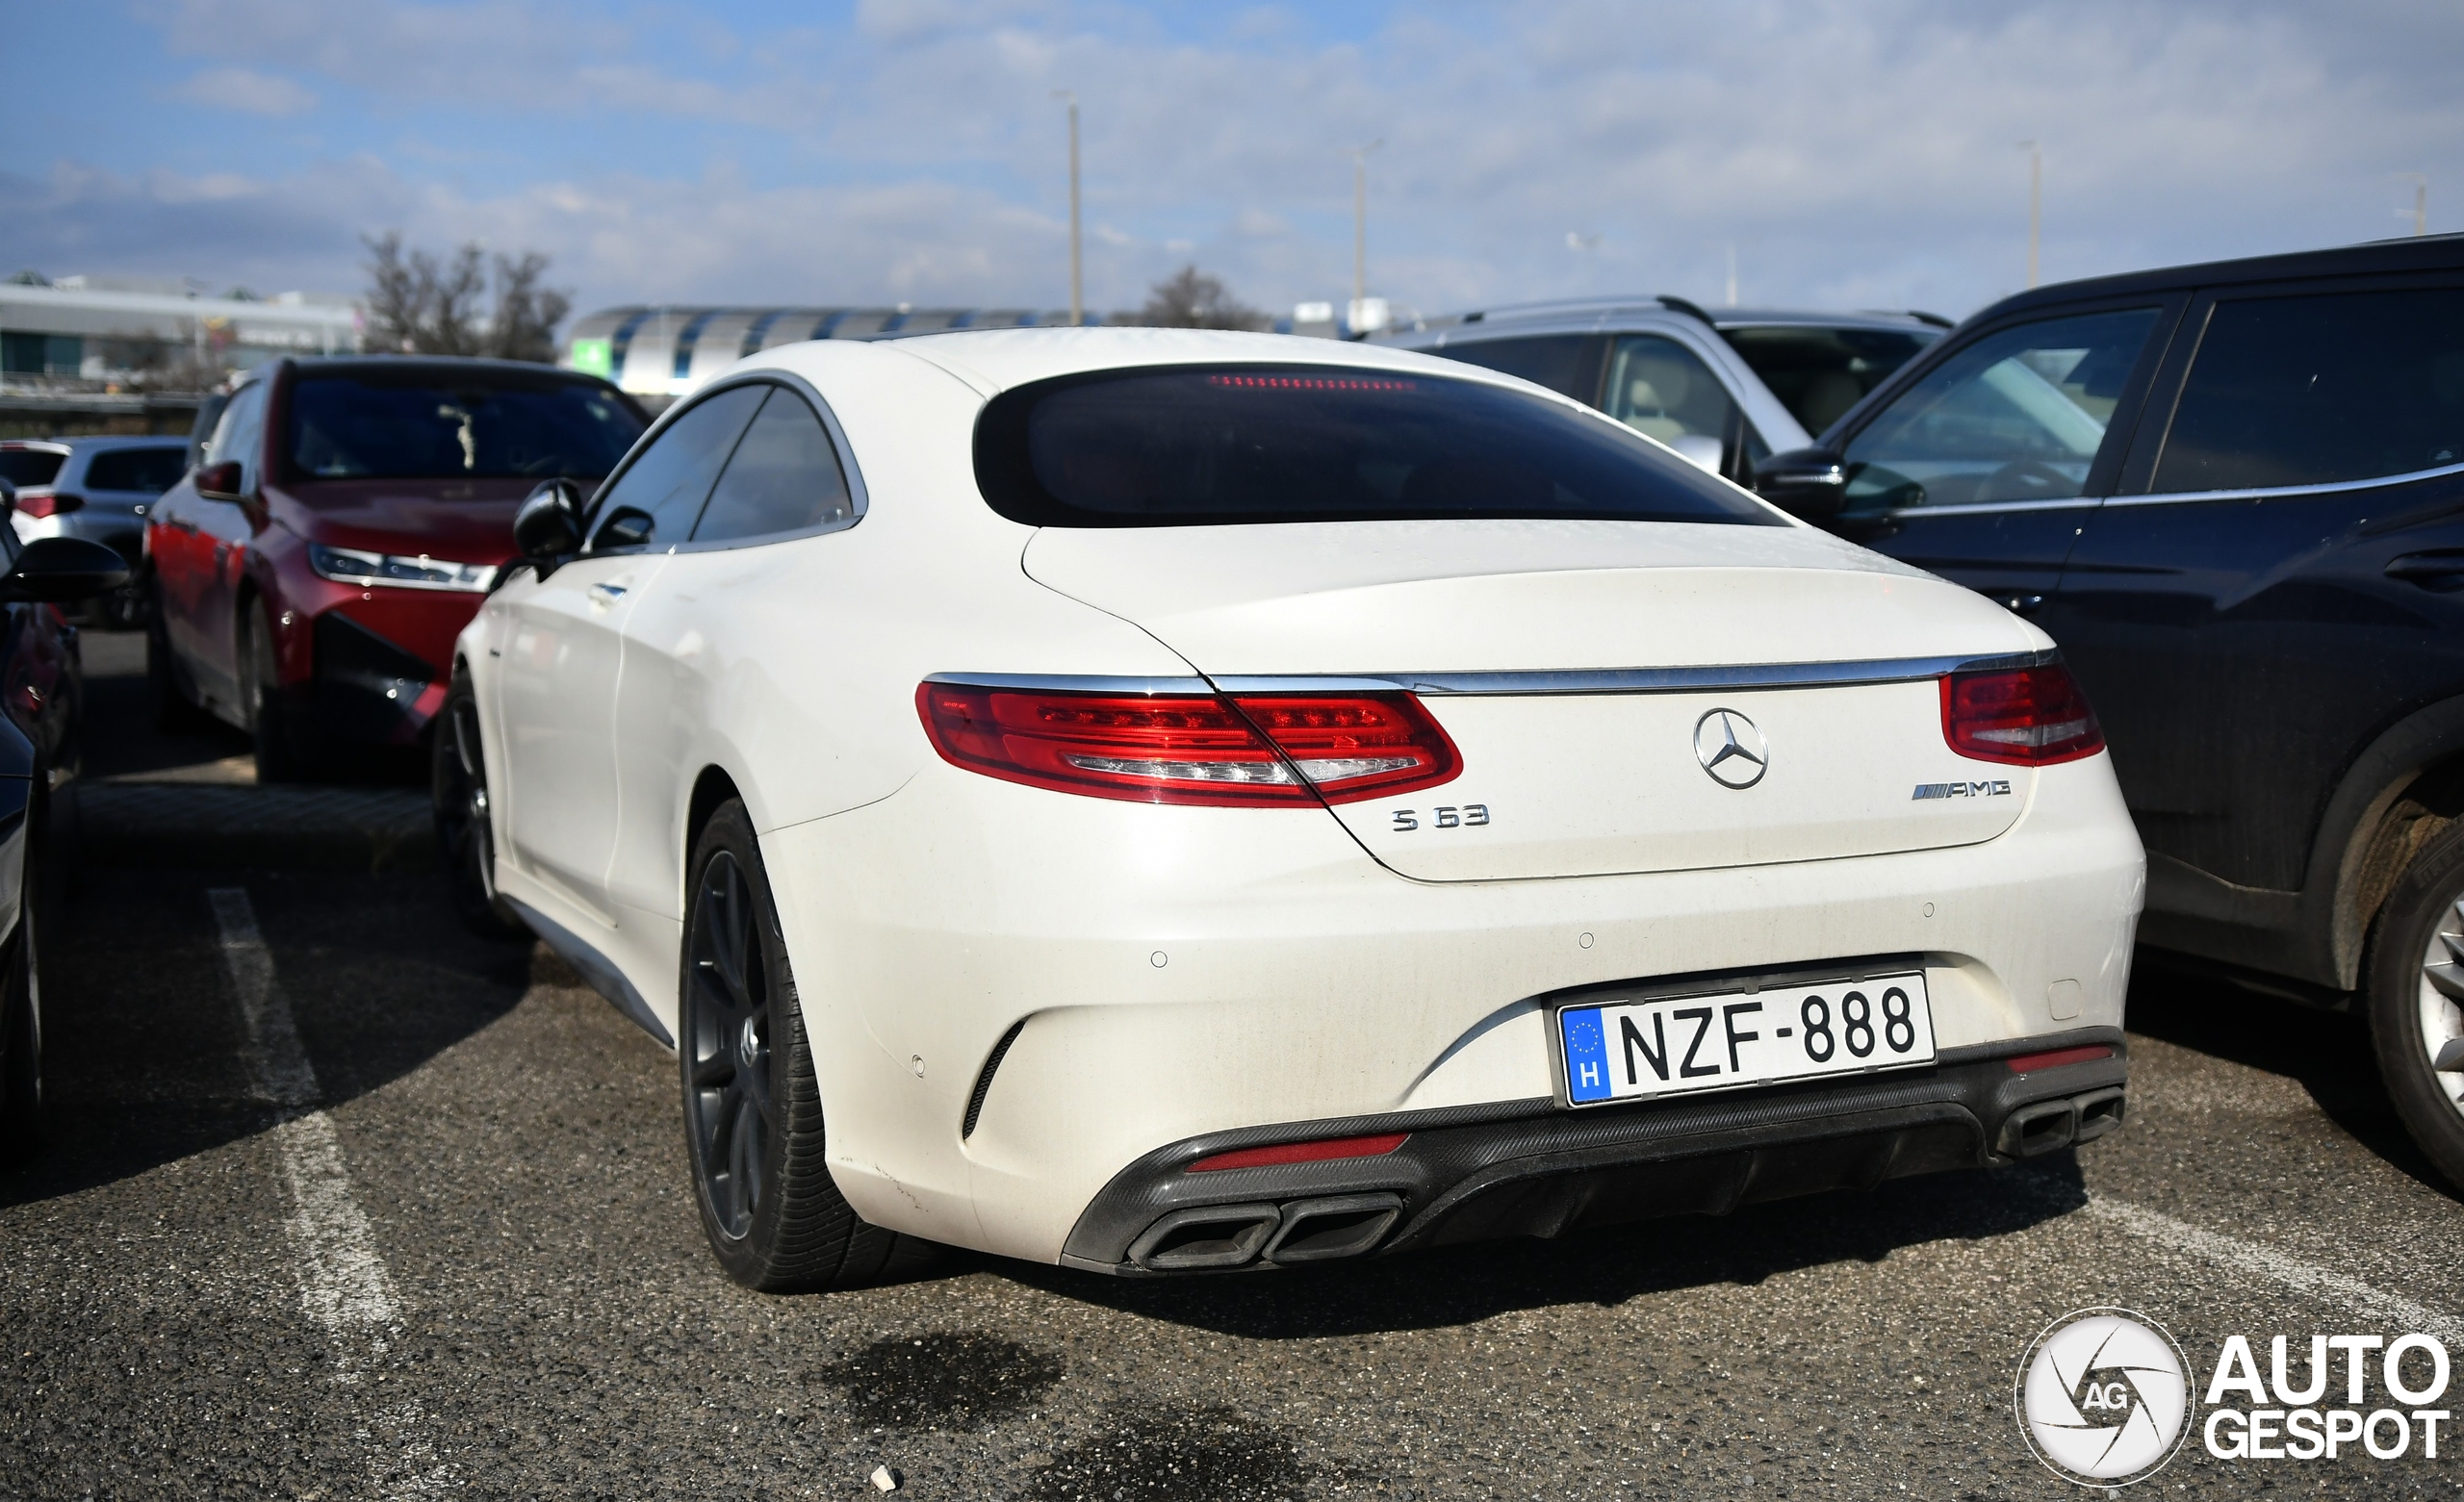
2235,495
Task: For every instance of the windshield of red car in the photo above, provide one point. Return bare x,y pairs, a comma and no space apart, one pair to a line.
427,424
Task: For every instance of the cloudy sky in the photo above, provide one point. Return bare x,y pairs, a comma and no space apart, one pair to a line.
1860,155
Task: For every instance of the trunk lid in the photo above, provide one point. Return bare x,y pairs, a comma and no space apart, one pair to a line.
1610,685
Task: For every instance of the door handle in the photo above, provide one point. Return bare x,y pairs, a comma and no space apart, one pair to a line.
606,594
2441,571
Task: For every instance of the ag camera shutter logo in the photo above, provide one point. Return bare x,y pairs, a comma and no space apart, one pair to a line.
2104,1397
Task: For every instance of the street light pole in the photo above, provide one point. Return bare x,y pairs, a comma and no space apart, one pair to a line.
1360,219
1077,298
2035,204
2421,201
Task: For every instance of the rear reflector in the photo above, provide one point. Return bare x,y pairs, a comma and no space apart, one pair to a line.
1273,749
1318,1151
2028,717
47,502
2026,1063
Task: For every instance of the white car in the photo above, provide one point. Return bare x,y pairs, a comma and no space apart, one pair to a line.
1158,801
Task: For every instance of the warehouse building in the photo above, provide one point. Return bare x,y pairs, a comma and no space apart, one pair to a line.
666,351
128,330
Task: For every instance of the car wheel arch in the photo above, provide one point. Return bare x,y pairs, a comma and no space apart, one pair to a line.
712,787
2404,787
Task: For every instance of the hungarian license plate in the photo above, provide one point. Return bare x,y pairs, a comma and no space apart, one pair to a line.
1669,1045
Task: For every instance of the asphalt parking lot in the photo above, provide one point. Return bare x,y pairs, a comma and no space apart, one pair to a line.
343,1201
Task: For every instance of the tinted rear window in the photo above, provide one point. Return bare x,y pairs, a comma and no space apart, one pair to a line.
147,471
2310,390
1224,444
426,425
29,466
1819,373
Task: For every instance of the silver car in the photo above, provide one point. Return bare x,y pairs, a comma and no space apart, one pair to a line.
99,489
1726,388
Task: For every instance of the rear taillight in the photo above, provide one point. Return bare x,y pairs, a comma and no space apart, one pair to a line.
1191,748
2029,717
47,502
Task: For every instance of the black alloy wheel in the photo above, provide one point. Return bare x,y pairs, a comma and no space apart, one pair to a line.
753,1120
2415,993
465,820
271,720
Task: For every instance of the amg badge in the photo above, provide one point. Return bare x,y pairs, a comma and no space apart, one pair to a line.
1926,790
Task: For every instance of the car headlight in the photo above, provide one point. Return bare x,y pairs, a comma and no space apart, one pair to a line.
400,570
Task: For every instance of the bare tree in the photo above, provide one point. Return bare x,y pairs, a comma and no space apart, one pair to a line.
528,313
422,303
1191,298
396,301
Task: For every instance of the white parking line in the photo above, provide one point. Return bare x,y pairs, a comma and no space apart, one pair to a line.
2393,1311
342,1281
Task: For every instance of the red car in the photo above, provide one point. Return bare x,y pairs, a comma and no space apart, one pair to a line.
308,578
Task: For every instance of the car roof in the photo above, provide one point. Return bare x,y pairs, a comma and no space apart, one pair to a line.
444,365
996,359
1607,313
93,442
2413,253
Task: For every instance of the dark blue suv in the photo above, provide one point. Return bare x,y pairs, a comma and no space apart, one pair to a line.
2235,495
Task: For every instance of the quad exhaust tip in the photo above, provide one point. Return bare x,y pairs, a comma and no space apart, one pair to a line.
1211,1237
2048,1125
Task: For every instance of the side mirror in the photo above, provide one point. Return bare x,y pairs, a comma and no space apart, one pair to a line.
548,525
1810,484
60,569
220,481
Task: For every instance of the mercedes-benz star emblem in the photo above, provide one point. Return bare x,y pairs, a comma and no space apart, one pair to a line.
1730,749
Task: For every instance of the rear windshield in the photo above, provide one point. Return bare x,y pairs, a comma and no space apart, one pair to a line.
1819,373
416,424
29,466
149,472
1222,445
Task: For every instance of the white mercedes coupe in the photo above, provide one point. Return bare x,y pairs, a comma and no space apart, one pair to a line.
1159,802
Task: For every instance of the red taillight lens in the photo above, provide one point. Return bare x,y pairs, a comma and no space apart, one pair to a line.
2029,717
1323,1150
47,502
1284,750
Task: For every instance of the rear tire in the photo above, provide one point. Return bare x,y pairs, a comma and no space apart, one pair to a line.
21,1033
271,723
753,1119
2416,999
465,823
173,711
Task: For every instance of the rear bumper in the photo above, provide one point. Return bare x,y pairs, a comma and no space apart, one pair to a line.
1529,1168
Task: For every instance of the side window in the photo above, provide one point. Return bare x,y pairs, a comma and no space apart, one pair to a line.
2309,390
1662,390
149,472
2016,415
784,477
241,434
656,498
1567,364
